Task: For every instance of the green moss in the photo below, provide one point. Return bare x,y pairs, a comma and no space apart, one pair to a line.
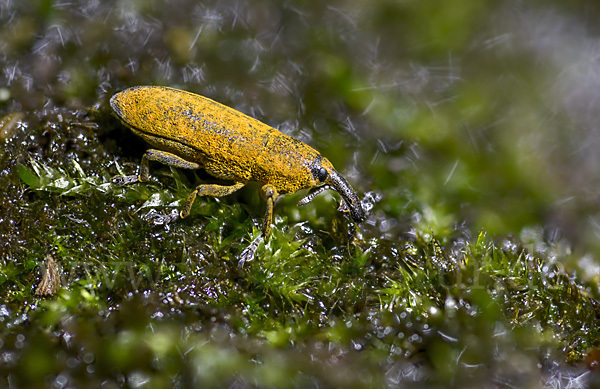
385,300
456,279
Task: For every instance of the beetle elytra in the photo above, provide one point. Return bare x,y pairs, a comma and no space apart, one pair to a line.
190,131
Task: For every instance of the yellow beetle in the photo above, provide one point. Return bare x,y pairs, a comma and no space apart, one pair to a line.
190,131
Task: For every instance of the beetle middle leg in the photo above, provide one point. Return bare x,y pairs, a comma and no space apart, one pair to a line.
212,190
271,194
158,156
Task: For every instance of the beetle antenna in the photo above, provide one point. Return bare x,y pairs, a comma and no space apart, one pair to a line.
313,193
343,207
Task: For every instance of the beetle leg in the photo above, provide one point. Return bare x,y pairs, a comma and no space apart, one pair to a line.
271,194
212,190
248,253
312,194
158,156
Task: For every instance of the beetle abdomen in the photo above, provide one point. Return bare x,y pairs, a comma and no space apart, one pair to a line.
164,115
228,143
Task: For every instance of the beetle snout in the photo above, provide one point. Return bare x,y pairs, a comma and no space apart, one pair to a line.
340,185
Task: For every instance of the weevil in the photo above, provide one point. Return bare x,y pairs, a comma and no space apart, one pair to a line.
190,131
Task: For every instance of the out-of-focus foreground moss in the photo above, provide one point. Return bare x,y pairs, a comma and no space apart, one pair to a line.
460,115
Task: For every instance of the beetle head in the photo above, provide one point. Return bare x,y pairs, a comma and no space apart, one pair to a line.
328,178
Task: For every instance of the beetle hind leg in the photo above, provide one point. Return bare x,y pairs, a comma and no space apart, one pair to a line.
163,157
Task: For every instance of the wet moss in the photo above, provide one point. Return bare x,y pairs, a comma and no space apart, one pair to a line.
457,278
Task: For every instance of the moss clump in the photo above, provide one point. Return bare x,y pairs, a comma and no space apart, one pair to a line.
312,308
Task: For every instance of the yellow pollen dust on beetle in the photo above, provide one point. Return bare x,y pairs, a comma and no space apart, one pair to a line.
190,131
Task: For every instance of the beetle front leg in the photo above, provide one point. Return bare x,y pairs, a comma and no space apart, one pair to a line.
271,194
158,156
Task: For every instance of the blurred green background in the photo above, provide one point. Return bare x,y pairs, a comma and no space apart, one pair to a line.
482,110
471,118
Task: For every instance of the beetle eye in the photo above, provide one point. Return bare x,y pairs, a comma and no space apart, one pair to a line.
322,174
